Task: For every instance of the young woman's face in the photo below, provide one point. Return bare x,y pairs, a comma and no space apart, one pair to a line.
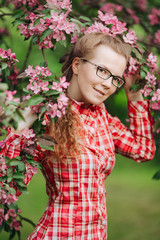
86,86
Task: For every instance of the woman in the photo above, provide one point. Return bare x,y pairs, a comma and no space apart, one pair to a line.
88,137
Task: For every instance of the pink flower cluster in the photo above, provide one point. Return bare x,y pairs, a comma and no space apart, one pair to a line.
130,38
152,62
37,76
31,3
133,66
10,214
133,15
8,56
61,85
142,4
10,94
58,22
111,8
7,199
117,27
60,4
157,37
57,109
154,17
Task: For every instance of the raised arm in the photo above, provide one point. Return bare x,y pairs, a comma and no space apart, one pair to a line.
137,142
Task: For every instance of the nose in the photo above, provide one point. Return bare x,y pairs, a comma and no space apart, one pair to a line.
107,83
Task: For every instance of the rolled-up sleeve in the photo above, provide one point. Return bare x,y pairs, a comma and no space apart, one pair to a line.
137,141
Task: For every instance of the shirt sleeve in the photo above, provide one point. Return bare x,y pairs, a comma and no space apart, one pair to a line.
12,148
137,142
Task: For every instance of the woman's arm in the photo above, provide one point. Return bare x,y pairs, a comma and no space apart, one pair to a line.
137,142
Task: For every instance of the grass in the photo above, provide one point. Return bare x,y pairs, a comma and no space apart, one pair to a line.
132,202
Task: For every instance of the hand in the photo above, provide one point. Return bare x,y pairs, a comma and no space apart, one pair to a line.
29,120
131,94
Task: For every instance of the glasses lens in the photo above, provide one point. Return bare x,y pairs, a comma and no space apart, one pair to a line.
103,73
117,82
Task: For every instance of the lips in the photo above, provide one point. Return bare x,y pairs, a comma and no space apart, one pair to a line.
99,91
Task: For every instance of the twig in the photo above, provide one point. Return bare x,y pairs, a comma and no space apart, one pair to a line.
45,60
6,14
27,56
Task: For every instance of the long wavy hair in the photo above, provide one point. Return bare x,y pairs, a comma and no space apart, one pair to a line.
65,129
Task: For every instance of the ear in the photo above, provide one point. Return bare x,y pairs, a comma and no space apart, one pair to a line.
75,65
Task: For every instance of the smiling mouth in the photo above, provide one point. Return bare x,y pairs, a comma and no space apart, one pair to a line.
99,91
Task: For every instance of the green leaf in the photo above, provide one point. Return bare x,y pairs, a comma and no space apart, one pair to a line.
46,33
51,148
18,13
20,165
9,179
156,176
143,74
18,175
3,66
52,92
22,189
9,171
34,100
13,103
20,183
85,18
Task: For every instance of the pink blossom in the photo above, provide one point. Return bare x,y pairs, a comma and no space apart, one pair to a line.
74,38
60,86
10,95
155,106
142,4
15,224
37,108
118,28
52,109
10,198
156,95
151,78
130,37
28,134
133,66
111,8
158,130
1,215
152,61
97,27
153,17
157,37
133,15
146,91
107,18
10,213
62,101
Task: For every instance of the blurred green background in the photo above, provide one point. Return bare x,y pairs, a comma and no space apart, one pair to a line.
132,196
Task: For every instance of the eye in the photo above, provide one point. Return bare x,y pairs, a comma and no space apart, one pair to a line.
102,70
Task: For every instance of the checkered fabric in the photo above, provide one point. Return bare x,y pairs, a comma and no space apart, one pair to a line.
76,187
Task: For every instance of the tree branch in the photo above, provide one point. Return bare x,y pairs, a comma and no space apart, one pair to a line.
45,60
6,14
27,56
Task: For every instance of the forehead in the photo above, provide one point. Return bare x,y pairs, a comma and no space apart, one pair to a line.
107,57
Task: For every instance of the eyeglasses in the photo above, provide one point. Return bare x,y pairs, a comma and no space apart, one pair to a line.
106,74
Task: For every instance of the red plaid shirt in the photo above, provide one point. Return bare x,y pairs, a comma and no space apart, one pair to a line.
76,188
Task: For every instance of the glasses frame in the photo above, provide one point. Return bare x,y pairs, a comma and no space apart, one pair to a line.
111,75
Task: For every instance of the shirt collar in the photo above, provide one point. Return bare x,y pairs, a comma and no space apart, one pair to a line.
82,109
